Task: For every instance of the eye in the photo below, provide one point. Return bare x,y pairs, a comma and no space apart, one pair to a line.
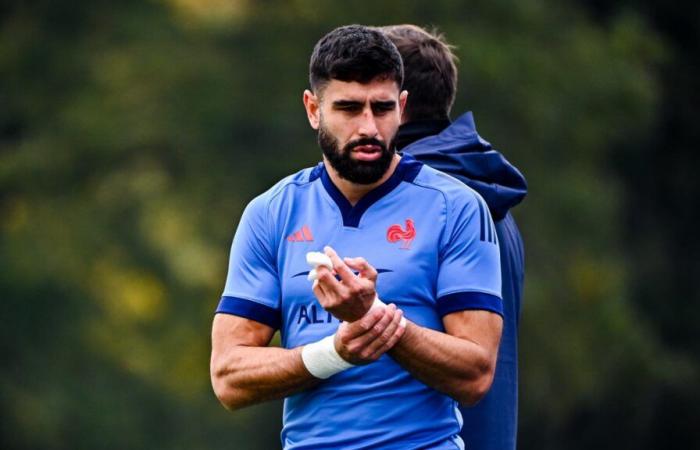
383,108
350,108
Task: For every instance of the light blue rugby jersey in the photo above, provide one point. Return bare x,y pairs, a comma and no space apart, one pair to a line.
434,244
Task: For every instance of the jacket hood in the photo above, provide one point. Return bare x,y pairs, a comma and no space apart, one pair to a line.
459,151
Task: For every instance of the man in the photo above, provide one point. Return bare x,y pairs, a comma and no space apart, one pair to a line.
354,374
426,134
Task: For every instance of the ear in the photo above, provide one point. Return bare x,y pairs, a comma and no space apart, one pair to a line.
403,97
312,105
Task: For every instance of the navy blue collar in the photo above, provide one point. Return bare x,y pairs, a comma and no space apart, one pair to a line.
413,131
406,170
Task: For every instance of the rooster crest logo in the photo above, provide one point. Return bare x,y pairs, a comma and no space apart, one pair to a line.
395,233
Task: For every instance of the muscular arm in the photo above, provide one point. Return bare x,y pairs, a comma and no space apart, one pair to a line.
245,371
459,362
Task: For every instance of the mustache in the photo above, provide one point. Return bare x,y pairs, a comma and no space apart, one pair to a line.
365,141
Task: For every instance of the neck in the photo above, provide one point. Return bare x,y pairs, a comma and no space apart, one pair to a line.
353,192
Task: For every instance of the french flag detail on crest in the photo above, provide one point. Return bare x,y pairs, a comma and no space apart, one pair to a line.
395,233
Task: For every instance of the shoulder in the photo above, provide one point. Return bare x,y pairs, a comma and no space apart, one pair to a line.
289,185
265,211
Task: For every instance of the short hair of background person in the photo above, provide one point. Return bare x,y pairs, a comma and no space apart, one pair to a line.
432,80
354,53
430,137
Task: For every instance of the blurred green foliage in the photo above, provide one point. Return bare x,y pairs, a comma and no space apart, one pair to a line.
133,133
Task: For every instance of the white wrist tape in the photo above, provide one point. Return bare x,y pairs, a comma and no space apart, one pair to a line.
377,303
322,360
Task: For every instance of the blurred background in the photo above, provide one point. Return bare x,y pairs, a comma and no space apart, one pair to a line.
133,133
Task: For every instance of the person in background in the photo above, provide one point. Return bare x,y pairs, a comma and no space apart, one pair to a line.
426,133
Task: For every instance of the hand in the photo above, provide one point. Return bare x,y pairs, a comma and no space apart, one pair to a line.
350,298
367,339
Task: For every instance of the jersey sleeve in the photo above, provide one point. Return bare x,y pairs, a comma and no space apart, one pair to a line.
469,275
252,285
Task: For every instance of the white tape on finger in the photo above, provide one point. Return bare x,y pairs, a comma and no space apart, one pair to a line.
312,276
316,259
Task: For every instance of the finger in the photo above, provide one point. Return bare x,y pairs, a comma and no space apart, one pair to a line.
376,331
335,293
375,347
328,280
363,267
362,346
398,333
340,267
319,292
383,334
360,327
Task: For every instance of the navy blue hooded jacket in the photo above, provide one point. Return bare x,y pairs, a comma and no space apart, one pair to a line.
458,150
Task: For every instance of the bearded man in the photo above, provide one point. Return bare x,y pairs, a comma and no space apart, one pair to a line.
381,348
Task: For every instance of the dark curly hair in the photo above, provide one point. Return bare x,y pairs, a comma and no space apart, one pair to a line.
354,53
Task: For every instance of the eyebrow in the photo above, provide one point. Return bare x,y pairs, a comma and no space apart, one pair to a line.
346,103
353,103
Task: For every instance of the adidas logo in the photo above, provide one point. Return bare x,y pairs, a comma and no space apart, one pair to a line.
303,235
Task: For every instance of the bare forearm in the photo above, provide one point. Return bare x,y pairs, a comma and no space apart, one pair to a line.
244,371
244,375
457,367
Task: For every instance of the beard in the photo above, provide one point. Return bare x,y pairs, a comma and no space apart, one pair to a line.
355,171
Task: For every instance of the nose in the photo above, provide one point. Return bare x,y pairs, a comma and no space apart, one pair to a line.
368,124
